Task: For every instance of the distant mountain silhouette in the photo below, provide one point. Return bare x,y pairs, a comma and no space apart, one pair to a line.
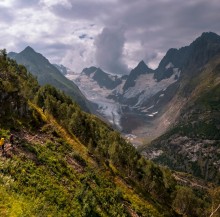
47,73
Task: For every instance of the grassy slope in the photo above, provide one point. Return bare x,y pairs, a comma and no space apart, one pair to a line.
49,172
78,169
54,175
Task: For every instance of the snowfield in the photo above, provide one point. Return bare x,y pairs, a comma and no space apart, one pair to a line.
98,95
145,87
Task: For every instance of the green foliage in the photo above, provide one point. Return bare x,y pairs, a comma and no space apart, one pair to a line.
215,201
46,73
46,176
16,87
187,204
201,117
106,144
45,184
3,54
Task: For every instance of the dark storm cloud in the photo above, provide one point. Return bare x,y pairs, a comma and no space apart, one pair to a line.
109,45
156,25
159,25
158,18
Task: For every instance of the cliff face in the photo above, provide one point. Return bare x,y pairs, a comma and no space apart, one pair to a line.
192,144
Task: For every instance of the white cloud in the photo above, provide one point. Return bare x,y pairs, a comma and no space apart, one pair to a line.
6,3
79,57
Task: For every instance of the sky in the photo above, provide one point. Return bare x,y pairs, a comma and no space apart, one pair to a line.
114,35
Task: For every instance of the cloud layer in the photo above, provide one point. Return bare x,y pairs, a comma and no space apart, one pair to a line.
112,34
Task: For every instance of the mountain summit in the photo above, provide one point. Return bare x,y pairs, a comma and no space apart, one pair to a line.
140,69
47,73
194,56
28,49
102,78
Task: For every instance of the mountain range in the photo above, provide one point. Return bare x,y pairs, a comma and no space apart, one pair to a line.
67,162
177,102
192,144
147,103
141,103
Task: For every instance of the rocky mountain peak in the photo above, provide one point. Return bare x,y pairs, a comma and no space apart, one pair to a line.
196,55
209,36
140,69
102,78
89,70
29,49
30,54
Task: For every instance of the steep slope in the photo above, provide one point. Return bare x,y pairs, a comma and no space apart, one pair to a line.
50,171
192,145
140,69
178,71
69,163
47,73
194,56
147,102
64,70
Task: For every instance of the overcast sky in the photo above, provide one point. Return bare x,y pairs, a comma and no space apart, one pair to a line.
112,34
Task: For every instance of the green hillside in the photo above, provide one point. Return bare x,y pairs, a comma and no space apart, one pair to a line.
66,162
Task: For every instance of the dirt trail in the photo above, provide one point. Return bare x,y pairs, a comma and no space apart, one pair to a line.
79,168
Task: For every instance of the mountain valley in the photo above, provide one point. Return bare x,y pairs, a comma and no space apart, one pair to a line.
68,162
145,103
65,162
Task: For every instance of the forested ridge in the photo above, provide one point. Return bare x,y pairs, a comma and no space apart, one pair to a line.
69,163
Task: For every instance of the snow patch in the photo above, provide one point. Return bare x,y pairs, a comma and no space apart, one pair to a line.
169,65
146,86
147,110
72,77
93,92
152,114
